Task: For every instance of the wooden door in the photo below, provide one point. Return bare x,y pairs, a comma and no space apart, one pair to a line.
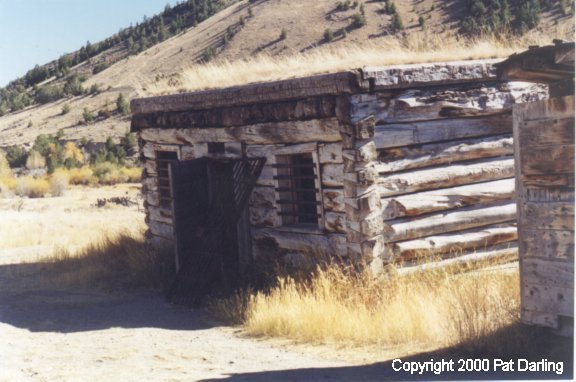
210,196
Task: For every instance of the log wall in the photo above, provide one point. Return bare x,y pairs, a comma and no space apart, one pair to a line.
544,140
444,168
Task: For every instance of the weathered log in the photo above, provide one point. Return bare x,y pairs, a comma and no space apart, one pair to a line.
411,157
559,215
452,221
333,200
160,215
276,242
548,244
330,153
545,160
548,272
161,229
365,105
491,255
444,177
317,130
327,84
553,132
332,175
548,298
404,134
335,222
413,75
454,244
447,199
150,148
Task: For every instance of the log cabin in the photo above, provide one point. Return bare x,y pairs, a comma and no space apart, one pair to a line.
544,147
376,165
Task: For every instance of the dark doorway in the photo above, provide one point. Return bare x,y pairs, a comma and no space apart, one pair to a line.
209,197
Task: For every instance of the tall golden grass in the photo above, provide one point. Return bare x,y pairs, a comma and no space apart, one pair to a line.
431,309
412,49
113,261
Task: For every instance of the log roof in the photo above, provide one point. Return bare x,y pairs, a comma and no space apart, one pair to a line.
349,82
544,64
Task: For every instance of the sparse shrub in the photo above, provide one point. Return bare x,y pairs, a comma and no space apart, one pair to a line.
421,21
31,187
87,115
59,181
46,94
73,86
129,143
328,35
283,34
30,124
81,176
16,156
397,24
122,105
94,89
5,170
35,160
65,109
131,174
358,21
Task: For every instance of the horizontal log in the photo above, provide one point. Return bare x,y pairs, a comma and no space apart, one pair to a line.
317,130
366,105
547,132
558,216
454,244
161,215
541,180
546,160
552,244
414,75
273,242
548,272
508,253
332,175
326,84
161,229
553,108
548,195
547,298
150,148
532,317
404,134
411,157
333,200
445,177
452,221
447,199
152,198
335,222
330,153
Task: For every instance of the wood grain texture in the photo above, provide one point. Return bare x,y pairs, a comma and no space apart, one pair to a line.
404,134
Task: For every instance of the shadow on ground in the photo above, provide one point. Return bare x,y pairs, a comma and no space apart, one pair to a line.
32,300
389,371
539,345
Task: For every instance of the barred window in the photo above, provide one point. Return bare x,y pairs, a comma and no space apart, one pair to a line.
163,160
296,186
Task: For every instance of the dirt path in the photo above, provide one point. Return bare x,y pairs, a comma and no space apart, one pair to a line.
51,334
59,335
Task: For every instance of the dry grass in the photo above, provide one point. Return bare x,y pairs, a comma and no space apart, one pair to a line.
429,309
413,49
112,261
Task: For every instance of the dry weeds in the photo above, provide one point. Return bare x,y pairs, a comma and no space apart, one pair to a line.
428,309
413,49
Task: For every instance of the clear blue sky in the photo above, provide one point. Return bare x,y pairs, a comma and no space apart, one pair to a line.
38,31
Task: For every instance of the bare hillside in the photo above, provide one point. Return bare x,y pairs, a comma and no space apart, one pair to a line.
244,30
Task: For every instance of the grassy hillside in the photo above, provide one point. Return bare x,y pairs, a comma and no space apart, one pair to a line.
173,52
